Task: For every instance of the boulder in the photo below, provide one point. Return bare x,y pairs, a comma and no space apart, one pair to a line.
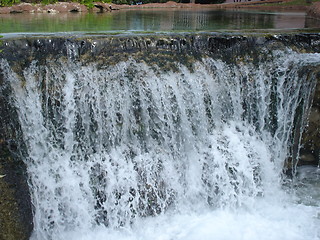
62,7
102,7
5,10
24,8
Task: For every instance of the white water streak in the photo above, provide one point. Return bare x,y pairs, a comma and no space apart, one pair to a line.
108,147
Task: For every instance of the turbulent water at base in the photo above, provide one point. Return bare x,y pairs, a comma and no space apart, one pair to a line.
133,151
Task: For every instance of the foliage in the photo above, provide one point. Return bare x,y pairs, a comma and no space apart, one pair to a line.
48,1
88,3
8,2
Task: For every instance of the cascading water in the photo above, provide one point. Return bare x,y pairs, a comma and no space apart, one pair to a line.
134,151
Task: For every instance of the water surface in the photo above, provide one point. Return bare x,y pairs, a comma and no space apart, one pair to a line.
133,152
155,20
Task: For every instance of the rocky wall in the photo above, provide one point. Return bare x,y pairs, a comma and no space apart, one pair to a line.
310,151
16,220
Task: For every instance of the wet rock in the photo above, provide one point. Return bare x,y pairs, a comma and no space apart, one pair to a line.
16,220
311,135
23,8
5,10
314,10
102,7
63,7
307,157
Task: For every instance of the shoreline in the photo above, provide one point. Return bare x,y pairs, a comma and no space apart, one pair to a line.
258,4
63,7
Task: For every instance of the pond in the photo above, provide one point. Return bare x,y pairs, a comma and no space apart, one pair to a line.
156,20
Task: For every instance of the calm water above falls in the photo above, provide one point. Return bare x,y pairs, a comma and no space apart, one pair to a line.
155,20
134,151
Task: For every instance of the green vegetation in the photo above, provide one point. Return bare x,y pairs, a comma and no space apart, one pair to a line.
45,2
140,1
8,2
164,1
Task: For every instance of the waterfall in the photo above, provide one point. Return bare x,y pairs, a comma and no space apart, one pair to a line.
111,145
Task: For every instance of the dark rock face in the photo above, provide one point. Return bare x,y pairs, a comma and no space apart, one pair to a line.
151,47
16,220
161,50
310,152
314,10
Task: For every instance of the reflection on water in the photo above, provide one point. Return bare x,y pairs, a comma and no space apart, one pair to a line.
155,20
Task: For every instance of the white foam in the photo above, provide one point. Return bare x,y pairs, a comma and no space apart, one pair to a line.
265,221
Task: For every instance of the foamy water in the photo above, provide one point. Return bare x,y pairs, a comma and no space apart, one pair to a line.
264,221
134,152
